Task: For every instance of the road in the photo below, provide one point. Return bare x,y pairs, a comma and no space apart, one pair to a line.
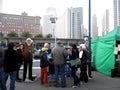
99,82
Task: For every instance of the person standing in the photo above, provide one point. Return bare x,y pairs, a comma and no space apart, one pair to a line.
89,60
50,64
28,59
10,64
59,55
2,73
74,56
83,55
20,52
43,65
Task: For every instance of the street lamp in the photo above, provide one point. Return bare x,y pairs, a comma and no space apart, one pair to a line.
89,36
53,21
89,23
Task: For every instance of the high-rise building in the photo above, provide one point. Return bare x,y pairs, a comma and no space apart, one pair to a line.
19,24
76,21
116,5
48,26
94,27
69,25
105,23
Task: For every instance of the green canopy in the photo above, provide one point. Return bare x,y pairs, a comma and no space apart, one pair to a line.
103,51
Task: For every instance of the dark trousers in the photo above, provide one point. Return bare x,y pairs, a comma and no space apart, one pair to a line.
27,64
89,69
2,79
83,73
75,77
18,69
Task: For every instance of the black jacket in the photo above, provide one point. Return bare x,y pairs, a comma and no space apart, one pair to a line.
85,56
10,62
43,59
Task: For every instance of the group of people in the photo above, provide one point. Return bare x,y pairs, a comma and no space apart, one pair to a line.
11,60
52,63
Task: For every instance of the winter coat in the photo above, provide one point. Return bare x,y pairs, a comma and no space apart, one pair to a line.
43,59
10,62
1,56
59,55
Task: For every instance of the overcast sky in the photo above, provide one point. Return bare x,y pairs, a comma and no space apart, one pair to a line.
38,7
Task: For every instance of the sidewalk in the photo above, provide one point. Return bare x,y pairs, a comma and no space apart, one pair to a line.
99,82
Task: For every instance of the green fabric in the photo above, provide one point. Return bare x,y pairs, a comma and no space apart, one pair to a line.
75,62
103,51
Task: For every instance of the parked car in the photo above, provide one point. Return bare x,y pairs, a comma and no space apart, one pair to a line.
37,53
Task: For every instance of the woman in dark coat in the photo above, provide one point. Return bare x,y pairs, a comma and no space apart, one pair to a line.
83,55
74,55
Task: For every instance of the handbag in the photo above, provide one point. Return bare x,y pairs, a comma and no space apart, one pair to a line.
75,62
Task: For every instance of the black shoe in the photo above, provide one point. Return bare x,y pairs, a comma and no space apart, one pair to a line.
90,77
23,80
31,79
19,80
57,85
63,86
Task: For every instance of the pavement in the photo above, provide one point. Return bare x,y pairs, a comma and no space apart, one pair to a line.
98,82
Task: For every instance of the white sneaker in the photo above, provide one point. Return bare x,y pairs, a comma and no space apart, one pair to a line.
27,80
74,86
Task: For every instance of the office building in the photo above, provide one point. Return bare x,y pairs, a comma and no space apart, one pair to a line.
94,27
19,24
48,26
69,25
116,7
105,23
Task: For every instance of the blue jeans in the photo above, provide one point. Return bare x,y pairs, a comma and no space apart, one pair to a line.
60,70
12,79
75,77
2,79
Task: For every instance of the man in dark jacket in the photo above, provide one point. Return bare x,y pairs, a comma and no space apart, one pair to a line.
89,60
59,55
2,73
10,65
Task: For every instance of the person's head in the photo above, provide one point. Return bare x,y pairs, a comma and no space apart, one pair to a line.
82,46
21,46
60,43
74,46
46,45
10,45
68,49
87,43
29,41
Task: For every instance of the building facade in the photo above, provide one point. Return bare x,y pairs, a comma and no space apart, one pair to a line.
19,24
48,26
75,16
70,24
94,27
116,7
105,23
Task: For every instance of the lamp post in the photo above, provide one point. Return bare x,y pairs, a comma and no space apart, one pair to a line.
89,22
53,21
89,37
